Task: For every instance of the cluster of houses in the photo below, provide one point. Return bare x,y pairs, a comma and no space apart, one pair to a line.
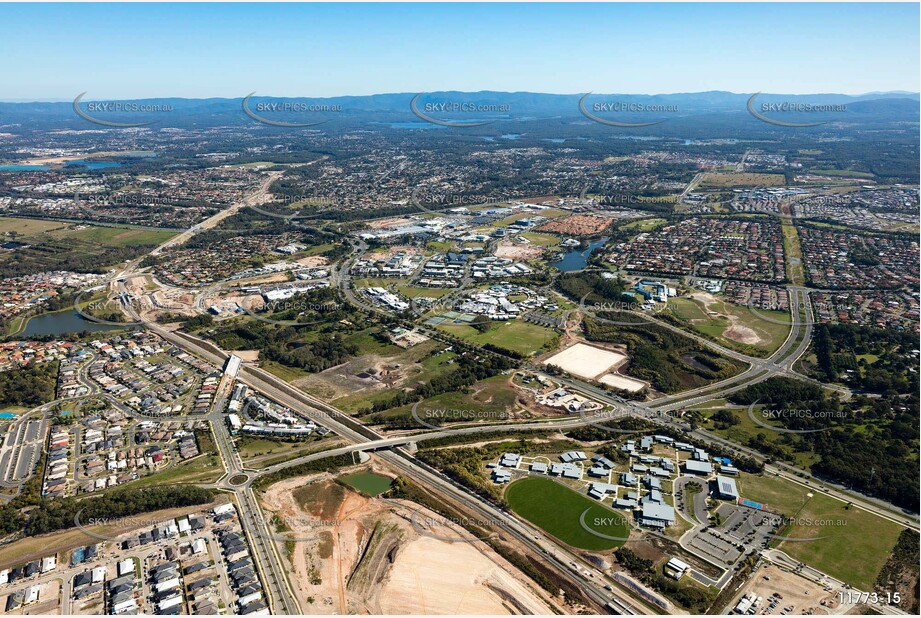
730,249
23,353
835,259
30,293
29,595
55,483
240,569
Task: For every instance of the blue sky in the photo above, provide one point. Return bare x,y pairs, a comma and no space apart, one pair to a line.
56,51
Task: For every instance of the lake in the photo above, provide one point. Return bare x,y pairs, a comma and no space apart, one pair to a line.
367,483
90,165
61,323
576,259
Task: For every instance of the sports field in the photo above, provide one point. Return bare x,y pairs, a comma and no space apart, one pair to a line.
557,510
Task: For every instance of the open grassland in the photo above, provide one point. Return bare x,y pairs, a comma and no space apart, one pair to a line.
644,225
734,326
28,227
853,545
741,179
115,236
557,510
515,335
542,240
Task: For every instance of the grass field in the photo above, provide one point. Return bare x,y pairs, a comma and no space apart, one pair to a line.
413,292
251,447
556,509
644,225
843,173
515,335
741,179
854,545
205,468
115,236
542,240
694,313
794,253
488,400
28,227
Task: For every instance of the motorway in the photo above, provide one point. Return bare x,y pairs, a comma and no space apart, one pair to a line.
281,598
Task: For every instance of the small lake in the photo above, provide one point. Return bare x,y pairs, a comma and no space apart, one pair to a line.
576,259
8,415
62,323
367,483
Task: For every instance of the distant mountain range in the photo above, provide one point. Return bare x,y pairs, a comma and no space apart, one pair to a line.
395,107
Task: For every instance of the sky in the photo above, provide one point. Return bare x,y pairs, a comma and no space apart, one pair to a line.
125,51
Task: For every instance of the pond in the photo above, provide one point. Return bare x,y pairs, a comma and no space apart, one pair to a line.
61,323
367,482
578,259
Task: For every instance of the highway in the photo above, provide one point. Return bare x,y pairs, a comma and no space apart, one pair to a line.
281,598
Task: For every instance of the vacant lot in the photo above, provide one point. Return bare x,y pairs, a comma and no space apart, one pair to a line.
730,324
557,510
586,361
741,179
846,532
515,335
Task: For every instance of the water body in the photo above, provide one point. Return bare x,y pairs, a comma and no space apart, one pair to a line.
23,168
576,259
62,323
91,165
511,136
415,125
367,483
8,415
555,140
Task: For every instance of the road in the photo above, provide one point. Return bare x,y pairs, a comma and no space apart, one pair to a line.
281,599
